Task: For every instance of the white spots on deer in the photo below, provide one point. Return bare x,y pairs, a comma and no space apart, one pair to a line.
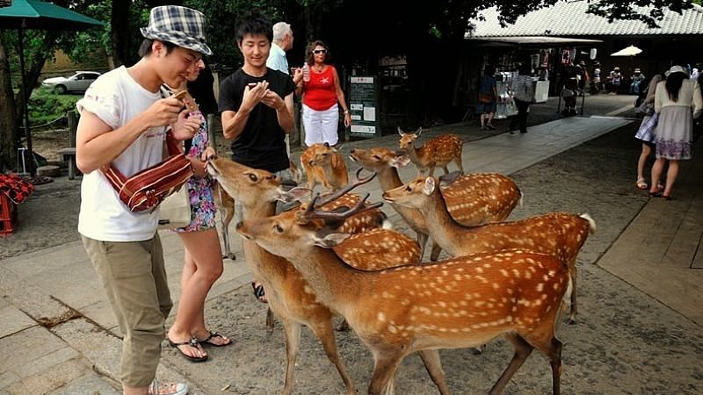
381,317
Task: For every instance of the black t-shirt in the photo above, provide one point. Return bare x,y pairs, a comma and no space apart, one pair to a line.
261,144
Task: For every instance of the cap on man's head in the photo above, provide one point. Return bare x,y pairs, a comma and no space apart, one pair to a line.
178,25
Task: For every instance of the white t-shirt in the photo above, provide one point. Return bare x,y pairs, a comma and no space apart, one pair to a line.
115,97
277,59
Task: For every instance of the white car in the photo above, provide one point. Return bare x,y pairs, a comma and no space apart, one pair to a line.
78,82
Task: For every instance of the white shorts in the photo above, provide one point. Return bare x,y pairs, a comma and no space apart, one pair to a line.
320,126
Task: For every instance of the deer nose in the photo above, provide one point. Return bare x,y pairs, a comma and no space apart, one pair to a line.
352,151
239,225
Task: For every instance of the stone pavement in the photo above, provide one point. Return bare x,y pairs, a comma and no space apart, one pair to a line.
55,314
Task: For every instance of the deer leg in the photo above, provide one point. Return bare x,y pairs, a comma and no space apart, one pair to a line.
446,171
385,364
343,326
422,241
324,332
522,351
460,164
436,250
270,323
551,347
434,367
573,310
225,219
292,330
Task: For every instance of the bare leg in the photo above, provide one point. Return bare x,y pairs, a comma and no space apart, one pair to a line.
522,351
326,336
434,367
671,175
644,155
657,169
490,118
483,120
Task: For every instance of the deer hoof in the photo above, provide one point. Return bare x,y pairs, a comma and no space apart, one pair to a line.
269,321
477,350
343,326
571,321
230,256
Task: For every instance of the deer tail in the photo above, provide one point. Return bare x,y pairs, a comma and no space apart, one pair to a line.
591,222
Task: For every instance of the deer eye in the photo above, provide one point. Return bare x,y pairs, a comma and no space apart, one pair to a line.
253,177
277,228
377,157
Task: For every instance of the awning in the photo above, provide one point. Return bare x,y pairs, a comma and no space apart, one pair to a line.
533,40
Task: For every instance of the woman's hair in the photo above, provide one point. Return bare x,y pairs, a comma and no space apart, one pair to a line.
310,57
673,84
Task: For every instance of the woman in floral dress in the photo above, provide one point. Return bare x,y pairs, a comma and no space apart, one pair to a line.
203,257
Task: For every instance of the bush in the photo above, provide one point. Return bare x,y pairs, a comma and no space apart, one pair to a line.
46,106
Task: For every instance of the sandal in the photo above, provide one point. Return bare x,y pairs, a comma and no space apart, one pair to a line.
208,341
259,292
156,388
641,184
193,342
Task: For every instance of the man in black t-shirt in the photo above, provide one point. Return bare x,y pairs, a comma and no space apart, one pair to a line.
256,102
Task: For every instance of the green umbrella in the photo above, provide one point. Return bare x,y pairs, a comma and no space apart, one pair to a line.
32,14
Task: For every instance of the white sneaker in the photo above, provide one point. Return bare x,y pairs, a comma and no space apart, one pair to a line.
157,388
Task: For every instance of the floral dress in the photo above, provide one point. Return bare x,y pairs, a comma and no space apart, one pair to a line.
202,202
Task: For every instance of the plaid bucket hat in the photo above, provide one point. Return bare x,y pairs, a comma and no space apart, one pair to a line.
178,25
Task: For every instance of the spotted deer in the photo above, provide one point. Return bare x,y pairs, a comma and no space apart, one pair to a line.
225,205
457,303
324,165
472,199
289,296
439,151
558,234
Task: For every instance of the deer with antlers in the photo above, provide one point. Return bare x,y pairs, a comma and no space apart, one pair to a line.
289,295
457,303
439,151
324,165
559,234
472,199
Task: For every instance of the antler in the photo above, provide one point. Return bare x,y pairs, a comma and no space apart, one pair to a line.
311,211
336,195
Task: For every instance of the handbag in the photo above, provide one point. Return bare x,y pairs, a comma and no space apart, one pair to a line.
174,211
485,97
145,190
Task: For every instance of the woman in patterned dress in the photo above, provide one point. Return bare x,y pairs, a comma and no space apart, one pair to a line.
203,257
677,101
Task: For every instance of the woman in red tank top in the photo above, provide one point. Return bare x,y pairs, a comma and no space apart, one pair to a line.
321,92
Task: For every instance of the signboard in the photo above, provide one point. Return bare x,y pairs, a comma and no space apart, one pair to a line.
5,3
363,107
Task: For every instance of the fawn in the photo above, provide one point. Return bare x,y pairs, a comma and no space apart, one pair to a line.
324,165
439,151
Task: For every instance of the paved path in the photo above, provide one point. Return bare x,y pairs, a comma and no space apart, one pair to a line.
76,348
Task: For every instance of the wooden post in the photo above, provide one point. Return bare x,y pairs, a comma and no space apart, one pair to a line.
72,127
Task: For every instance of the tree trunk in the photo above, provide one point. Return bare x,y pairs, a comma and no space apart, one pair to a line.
119,35
36,64
8,124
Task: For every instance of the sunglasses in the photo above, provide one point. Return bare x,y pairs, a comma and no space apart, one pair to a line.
319,51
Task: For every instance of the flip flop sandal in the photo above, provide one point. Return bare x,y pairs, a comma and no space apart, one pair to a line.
207,341
259,292
156,388
193,342
641,184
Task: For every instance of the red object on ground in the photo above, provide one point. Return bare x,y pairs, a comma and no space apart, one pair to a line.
13,191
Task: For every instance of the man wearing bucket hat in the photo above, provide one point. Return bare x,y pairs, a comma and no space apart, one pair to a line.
125,115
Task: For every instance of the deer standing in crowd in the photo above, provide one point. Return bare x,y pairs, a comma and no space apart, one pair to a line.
439,151
473,199
324,165
558,234
457,303
289,296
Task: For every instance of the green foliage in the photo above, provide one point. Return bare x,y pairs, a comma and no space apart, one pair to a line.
46,106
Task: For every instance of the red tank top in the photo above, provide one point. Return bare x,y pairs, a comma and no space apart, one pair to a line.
320,93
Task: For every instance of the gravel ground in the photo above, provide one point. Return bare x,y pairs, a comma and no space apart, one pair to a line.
624,342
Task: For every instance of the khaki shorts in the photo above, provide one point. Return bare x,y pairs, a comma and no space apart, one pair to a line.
134,279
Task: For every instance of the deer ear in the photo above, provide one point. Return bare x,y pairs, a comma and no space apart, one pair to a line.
449,179
400,160
294,195
418,132
429,186
330,240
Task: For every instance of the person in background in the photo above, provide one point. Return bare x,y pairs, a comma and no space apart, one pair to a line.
615,80
635,81
256,104
203,257
673,101
320,97
487,98
124,121
596,81
524,93
646,131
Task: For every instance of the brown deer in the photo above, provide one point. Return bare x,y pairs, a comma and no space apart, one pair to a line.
289,296
473,199
559,234
324,165
225,205
439,151
457,303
